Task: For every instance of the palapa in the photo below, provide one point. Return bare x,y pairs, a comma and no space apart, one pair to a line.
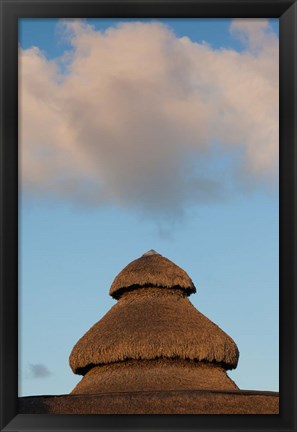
154,353
153,328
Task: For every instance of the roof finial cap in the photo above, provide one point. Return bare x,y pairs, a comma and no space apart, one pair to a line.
151,252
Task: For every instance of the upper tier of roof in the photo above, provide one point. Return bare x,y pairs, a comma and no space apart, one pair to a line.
151,270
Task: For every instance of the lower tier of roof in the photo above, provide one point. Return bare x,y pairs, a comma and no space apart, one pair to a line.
160,374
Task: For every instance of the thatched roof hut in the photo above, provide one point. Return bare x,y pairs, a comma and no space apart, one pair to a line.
154,353
153,338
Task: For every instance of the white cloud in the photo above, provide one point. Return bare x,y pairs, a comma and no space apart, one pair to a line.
142,117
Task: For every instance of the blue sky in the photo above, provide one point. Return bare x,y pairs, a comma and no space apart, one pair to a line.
204,194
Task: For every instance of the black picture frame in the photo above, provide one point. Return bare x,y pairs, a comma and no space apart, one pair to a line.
11,10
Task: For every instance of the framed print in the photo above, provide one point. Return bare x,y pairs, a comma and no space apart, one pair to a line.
148,152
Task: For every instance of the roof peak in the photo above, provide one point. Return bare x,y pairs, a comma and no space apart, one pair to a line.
151,270
151,252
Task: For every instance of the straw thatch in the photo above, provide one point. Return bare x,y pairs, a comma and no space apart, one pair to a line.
160,374
151,270
155,402
149,324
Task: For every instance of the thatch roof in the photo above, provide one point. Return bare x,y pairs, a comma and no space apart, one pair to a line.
151,375
152,323
151,270
155,402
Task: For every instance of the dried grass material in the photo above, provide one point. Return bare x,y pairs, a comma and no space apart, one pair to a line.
158,402
154,375
152,323
151,270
